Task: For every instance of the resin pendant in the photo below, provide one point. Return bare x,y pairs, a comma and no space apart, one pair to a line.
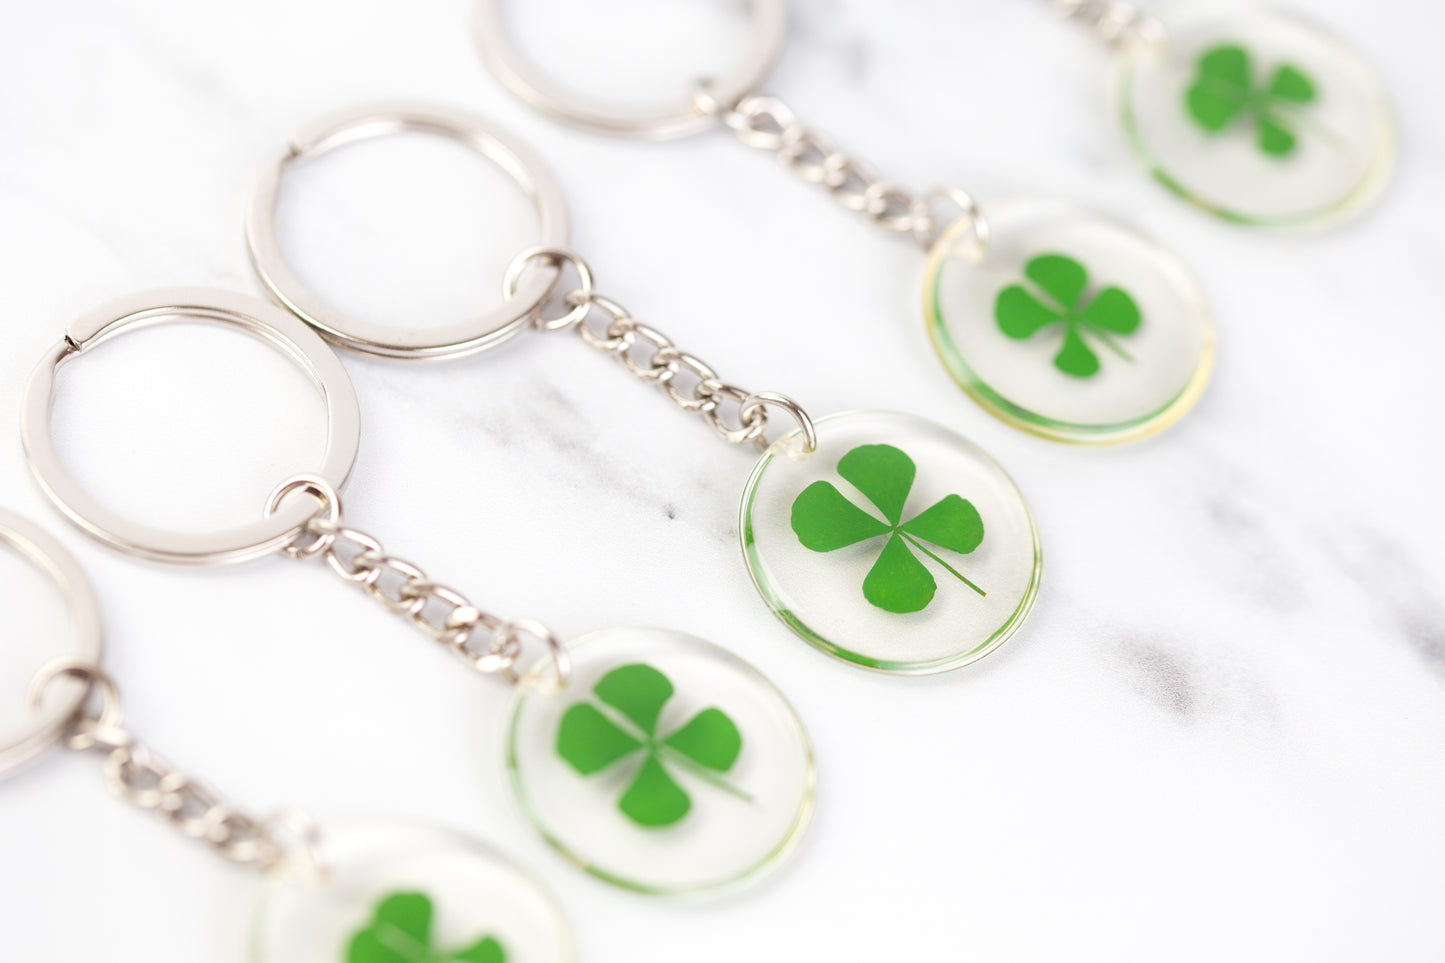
402,893
896,545
667,765
1068,325
1256,116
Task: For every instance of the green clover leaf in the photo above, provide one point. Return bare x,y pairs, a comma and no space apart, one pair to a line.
400,932
825,520
1223,93
1062,281
591,739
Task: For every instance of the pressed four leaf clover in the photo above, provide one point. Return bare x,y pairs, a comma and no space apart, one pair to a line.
593,738
1223,92
400,932
1063,282
826,520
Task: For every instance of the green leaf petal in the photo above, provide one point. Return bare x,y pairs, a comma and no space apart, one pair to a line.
638,692
590,741
1063,278
1222,91
1227,65
952,523
898,582
1113,310
1291,83
1076,357
1212,108
408,912
654,799
825,520
400,932
367,947
710,740
883,474
1019,313
1275,139
487,950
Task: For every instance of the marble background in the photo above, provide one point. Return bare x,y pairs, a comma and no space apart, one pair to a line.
1222,733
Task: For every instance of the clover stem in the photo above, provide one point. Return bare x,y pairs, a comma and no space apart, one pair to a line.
1110,343
1300,115
953,571
703,773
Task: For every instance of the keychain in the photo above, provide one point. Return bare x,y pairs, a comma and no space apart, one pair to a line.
1254,115
883,539
368,892
649,758
1060,322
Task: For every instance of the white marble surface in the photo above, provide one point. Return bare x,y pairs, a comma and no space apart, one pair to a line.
1222,733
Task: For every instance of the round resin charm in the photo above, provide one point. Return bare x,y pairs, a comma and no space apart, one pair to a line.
1257,116
897,545
666,765
394,892
1068,325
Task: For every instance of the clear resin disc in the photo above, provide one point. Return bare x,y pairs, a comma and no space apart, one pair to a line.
1068,325
406,893
1257,116
667,765
897,545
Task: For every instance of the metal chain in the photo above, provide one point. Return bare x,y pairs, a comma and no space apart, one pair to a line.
438,612
765,122
1113,22
738,416
137,775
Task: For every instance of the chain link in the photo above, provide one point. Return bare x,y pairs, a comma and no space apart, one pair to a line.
488,644
769,124
738,416
137,775
1113,22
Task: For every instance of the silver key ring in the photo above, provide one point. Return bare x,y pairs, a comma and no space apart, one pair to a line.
66,697
170,305
506,62
506,320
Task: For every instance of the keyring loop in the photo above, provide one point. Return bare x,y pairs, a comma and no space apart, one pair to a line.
505,61
51,719
504,321
204,305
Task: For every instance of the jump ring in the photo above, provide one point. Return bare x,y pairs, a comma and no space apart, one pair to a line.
94,677
510,633
302,837
746,118
557,257
329,513
761,399
926,228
